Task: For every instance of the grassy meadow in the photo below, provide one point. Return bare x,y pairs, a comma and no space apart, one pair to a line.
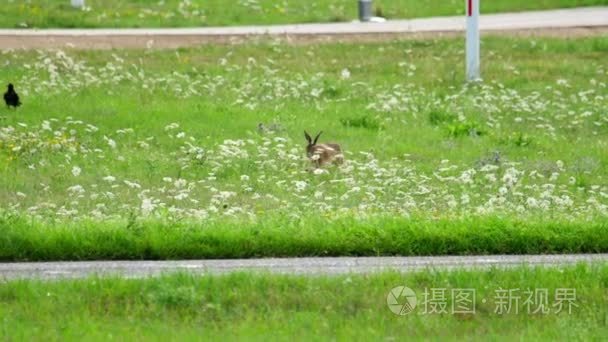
142,141
185,13
280,307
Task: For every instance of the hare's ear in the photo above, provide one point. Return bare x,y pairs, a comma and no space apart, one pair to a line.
317,137
308,138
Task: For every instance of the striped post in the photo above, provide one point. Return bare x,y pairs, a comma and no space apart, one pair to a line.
472,49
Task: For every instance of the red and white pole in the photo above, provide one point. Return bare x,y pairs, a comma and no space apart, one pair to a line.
472,49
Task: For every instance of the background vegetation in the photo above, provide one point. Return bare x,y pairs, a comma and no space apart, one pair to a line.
185,13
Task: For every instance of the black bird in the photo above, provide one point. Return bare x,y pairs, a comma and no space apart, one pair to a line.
11,98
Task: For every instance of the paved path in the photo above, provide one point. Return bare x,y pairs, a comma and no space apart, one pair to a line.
583,20
51,270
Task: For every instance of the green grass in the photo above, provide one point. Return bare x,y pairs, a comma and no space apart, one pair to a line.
264,306
175,13
23,241
170,139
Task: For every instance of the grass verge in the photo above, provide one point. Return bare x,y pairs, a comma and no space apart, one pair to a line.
21,240
348,307
178,13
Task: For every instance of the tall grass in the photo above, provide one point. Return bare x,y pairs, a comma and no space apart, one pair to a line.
21,240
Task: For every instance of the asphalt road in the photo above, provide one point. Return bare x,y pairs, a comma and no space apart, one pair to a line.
308,266
576,21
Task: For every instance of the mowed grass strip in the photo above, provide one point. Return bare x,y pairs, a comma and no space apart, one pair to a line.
21,240
345,307
179,13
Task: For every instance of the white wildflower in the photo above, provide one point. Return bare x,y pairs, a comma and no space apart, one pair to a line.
132,185
76,189
300,186
345,74
180,183
171,126
109,179
110,142
147,206
181,196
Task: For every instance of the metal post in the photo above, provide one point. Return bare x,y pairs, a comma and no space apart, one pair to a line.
365,10
473,63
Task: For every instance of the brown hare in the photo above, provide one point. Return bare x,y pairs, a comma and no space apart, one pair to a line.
322,154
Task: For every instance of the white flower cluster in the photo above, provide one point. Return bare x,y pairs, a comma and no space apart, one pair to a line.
271,175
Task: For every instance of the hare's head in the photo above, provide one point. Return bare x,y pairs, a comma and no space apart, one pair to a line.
310,149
